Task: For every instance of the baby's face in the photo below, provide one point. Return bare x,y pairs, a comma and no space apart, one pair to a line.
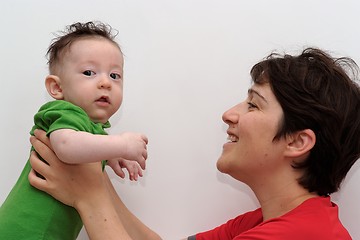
91,75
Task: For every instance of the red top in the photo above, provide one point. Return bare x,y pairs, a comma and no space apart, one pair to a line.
316,218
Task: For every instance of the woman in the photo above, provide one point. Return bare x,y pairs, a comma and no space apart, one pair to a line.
292,141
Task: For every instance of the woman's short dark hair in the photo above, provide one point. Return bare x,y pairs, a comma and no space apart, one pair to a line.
317,92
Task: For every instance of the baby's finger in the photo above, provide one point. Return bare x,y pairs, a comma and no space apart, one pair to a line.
119,171
145,139
145,155
140,172
133,177
142,163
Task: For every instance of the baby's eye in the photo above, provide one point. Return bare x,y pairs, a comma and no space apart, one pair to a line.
115,75
88,73
251,105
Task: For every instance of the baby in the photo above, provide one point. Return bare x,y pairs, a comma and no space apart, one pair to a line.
86,81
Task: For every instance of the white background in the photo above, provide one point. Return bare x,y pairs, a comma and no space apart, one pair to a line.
186,62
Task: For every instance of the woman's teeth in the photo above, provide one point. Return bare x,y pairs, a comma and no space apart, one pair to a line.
232,138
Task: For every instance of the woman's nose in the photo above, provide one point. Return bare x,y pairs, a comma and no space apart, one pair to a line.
231,116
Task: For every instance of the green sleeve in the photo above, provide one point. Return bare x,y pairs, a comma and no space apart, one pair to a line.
60,114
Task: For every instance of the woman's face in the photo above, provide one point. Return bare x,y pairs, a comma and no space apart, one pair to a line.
251,152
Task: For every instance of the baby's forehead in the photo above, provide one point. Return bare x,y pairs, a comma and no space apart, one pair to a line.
88,46
88,40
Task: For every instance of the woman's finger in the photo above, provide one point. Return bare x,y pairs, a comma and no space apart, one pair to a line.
41,146
41,135
38,165
36,182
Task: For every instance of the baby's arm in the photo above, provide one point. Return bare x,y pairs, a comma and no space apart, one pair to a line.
82,147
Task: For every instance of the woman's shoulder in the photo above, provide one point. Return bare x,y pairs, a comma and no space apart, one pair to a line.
315,218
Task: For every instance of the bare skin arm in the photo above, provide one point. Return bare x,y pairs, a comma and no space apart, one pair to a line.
82,147
132,224
86,188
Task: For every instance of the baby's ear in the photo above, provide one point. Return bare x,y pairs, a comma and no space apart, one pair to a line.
300,143
53,86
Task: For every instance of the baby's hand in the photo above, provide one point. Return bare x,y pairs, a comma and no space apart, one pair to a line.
134,147
132,167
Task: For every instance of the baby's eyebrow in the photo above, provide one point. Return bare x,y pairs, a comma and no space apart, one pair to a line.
252,92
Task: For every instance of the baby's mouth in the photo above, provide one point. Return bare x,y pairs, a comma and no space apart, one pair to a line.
104,99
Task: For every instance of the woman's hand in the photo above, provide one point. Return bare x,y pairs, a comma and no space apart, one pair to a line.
82,186
69,183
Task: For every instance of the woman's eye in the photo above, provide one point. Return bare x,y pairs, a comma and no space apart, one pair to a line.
251,105
88,73
115,75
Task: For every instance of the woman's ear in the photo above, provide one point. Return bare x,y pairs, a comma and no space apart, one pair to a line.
53,86
300,143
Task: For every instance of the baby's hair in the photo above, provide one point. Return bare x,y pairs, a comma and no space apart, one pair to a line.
74,32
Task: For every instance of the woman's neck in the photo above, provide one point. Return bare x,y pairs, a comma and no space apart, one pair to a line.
280,206
276,202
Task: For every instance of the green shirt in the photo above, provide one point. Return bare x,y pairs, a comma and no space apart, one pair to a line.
28,213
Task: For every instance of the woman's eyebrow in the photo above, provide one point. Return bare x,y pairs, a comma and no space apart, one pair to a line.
252,92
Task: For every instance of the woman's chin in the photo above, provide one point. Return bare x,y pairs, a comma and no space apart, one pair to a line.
221,165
